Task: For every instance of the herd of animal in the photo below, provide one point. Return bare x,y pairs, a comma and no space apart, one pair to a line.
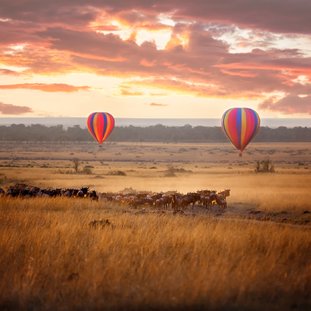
175,200
25,191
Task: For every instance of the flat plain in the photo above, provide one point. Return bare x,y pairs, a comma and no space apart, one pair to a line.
255,255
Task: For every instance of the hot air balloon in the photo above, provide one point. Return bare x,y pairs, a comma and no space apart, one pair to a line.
240,125
100,125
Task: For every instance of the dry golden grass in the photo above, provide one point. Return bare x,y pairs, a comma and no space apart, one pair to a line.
52,260
287,190
164,152
207,166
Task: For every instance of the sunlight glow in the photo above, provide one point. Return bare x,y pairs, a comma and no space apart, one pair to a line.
166,20
140,34
246,40
15,48
13,68
159,37
4,20
302,79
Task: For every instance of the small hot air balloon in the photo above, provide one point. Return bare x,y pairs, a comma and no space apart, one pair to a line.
240,125
100,125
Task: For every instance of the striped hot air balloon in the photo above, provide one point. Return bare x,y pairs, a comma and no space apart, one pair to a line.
240,125
100,125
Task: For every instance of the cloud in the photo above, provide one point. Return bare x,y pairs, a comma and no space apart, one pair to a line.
183,86
60,12
8,72
64,36
14,109
289,17
283,16
55,87
157,105
127,91
205,60
290,104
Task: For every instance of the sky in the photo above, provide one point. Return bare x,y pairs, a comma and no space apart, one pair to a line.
155,59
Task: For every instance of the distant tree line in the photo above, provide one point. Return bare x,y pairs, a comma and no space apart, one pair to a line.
156,133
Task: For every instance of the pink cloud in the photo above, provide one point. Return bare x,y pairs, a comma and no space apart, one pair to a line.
290,16
54,87
60,38
204,60
290,104
8,72
14,109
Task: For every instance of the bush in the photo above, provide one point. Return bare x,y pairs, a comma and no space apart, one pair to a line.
87,170
116,173
265,166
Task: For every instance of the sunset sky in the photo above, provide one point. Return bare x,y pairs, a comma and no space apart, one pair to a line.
155,59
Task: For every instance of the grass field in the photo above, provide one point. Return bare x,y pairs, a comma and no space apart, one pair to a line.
51,259
253,256
166,167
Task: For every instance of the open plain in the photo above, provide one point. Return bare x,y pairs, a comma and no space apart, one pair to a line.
254,255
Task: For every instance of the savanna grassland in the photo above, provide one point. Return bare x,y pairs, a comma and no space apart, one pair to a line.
51,259
255,255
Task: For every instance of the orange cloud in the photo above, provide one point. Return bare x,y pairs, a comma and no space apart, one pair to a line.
301,69
55,87
8,72
290,104
127,91
157,105
147,63
239,73
197,89
14,109
101,38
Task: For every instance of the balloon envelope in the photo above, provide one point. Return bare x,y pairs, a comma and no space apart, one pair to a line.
100,125
240,125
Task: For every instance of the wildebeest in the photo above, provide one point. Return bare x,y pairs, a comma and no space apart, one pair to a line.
25,191
222,198
164,201
174,200
93,195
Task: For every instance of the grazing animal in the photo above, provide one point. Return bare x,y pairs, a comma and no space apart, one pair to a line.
80,194
93,195
225,193
177,201
222,198
24,191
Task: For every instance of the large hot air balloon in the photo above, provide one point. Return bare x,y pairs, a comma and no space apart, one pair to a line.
100,125
240,125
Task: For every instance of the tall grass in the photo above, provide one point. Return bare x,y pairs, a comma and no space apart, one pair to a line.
51,259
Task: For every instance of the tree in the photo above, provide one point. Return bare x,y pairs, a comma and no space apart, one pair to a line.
76,164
